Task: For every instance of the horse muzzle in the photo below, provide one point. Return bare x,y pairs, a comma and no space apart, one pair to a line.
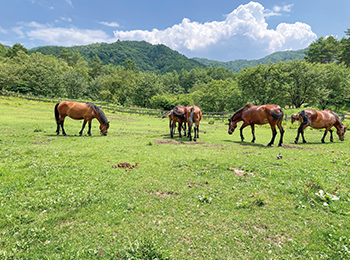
230,132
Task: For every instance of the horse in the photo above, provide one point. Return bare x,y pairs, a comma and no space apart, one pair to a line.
193,116
258,115
318,120
79,111
178,116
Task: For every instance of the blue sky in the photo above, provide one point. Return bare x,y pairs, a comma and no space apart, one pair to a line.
219,30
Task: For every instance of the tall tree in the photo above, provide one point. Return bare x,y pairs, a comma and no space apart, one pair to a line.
344,53
13,51
323,50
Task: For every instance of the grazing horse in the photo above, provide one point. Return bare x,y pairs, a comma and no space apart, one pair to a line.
258,115
193,116
318,120
79,111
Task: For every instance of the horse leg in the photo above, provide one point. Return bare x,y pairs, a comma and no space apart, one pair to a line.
184,128
253,132
63,132
195,133
331,138
279,124
274,133
189,131
172,129
179,126
301,131
89,130
241,130
58,127
82,128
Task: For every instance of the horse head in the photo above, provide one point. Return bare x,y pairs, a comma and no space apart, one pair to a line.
341,132
231,126
295,117
104,128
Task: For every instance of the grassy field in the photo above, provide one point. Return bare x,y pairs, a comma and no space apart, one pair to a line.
65,198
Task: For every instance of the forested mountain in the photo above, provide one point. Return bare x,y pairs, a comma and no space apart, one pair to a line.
238,65
147,57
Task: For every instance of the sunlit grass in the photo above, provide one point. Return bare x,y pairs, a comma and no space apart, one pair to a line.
219,198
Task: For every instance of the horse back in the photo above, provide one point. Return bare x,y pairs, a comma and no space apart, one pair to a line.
75,110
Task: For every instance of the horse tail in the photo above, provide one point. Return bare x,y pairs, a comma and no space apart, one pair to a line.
191,117
57,114
279,115
167,114
304,116
178,114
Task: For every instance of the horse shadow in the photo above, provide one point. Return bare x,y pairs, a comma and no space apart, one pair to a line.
248,144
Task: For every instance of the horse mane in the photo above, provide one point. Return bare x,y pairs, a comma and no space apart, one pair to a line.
336,115
100,112
240,110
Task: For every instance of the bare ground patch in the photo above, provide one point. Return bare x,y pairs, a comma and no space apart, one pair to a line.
297,147
173,142
240,172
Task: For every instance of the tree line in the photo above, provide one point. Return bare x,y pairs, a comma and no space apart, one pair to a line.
320,80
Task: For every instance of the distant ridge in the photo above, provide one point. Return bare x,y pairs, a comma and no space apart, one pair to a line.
238,65
147,57
160,58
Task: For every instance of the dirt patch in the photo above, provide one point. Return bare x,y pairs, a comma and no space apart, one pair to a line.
173,142
126,165
297,147
240,173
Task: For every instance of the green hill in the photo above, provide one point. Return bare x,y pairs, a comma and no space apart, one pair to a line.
147,57
238,65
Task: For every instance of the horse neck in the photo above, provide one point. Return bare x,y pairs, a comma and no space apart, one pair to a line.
338,124
237,117
98,117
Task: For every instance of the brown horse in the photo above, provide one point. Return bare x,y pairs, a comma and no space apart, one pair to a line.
193,116
318,120
258,115
79,111
179,116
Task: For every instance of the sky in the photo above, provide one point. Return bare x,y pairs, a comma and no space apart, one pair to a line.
220,30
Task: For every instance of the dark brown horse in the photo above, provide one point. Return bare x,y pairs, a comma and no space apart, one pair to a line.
193,116
318,120
79,111
258,115
178,116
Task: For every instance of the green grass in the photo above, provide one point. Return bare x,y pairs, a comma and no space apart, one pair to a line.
62,198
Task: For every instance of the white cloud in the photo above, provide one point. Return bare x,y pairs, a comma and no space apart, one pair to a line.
247,20
19,31
112,24
3,30
68,36
69,2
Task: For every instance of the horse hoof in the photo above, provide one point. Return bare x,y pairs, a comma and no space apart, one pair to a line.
295,142
269,144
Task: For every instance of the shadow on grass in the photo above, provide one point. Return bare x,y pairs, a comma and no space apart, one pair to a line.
248,144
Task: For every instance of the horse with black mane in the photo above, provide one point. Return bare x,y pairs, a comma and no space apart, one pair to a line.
258,115
178,116
193,116
80,111
318,120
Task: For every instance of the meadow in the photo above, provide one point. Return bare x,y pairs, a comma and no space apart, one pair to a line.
64,197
